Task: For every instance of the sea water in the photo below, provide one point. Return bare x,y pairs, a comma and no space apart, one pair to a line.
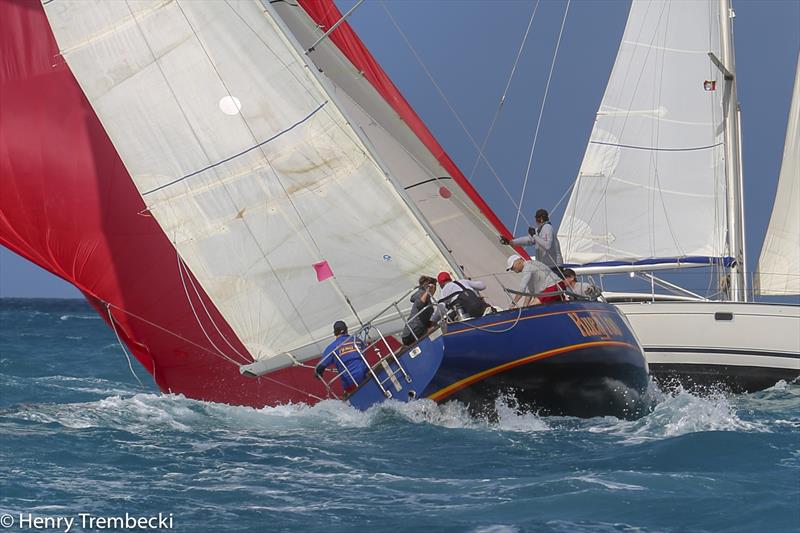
81,439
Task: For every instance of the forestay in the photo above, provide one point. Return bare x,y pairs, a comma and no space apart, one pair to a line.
652,181
247,164
779,265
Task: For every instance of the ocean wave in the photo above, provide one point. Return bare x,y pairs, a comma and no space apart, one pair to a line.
677,413
69,384
144,412
79,317
681,412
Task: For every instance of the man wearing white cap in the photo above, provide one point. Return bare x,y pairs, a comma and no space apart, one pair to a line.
535,278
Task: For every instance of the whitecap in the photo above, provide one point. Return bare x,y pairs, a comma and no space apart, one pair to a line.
80,317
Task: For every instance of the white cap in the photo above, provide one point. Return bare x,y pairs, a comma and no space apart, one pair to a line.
511,260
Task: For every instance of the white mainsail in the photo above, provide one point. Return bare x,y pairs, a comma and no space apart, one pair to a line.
652,182
248,165
779,265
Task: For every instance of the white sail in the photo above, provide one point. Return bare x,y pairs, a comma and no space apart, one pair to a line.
465,230
247,164
779,265
652,181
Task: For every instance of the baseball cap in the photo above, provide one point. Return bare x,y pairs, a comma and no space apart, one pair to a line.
339,327
511,260
443,277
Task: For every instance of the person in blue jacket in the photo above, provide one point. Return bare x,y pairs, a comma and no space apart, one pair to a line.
344,346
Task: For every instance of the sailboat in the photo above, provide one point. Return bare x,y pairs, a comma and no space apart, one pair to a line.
225,180
660,188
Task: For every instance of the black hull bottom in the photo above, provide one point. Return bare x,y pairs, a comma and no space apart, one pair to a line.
584,390
736,379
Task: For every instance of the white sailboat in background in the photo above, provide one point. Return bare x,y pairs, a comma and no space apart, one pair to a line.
778,270
660,187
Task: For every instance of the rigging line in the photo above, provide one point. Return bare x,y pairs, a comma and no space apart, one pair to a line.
165,330
291,387
505,91
654,149
262,143
208,314
450,107
558,203
539,120
119,340
194,312
332,28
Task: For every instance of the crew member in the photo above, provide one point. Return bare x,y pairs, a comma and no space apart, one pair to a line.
470,300
343,352
543,237
422,317
535,277
565,284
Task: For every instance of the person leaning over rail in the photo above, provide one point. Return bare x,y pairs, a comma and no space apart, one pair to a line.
422,319
535,277
558,289
543,237
463,293
343,352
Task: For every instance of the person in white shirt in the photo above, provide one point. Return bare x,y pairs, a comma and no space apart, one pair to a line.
474,307
535,278
543,237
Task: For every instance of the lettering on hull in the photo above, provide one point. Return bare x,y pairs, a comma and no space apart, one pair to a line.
593,324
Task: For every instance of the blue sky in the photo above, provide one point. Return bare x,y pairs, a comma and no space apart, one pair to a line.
470,46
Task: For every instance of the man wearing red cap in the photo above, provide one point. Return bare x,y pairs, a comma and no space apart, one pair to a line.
471,302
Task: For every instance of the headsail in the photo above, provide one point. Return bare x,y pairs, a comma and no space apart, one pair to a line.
246,163
262,173
652,182
779,265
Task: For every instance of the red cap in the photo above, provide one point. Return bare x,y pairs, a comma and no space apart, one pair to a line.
443,277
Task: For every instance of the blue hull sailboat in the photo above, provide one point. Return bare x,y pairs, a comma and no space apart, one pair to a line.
225,180
571,358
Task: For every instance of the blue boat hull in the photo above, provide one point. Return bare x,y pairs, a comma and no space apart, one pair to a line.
575,359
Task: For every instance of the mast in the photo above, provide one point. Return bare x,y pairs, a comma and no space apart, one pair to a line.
733,167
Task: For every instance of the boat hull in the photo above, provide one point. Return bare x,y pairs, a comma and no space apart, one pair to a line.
577,359
742,347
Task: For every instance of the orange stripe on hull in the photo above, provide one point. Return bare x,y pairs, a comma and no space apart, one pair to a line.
458,385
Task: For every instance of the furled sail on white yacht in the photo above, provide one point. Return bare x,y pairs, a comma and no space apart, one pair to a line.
652,182
779,265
